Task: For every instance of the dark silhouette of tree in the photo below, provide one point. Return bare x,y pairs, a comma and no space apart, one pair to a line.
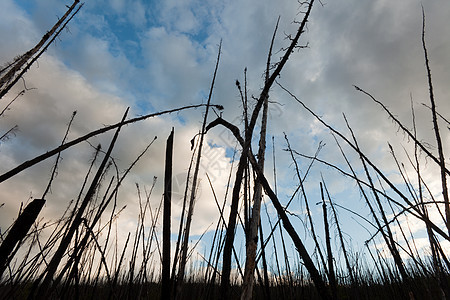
21,64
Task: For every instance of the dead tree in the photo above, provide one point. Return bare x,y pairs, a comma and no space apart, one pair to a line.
229,240
18,231
165,277
15,70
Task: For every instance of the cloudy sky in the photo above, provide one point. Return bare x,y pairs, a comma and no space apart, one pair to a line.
158,55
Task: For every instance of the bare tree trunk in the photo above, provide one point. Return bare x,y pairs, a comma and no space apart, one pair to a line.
344,251
245,152
308,210
436,131
252,239
18,231
388,236
184,247
437,264
264,262
56,259
331,275
313,272
315,275
50,153
21,65
165,277
413,209
252,231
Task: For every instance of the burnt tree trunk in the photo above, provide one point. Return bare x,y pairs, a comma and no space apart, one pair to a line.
165,280
18,231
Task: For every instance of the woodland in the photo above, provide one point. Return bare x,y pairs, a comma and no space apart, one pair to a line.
80,257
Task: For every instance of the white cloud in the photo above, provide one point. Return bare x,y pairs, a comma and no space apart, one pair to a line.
136,14
16,27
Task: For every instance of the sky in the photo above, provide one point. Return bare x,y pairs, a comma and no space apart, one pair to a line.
158,55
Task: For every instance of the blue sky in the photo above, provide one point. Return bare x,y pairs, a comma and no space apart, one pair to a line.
157,55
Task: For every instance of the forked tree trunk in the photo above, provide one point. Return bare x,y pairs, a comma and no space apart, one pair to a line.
226,269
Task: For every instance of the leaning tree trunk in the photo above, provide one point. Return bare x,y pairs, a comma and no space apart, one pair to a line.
16,69
226,269
42,290
300,247
18,231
